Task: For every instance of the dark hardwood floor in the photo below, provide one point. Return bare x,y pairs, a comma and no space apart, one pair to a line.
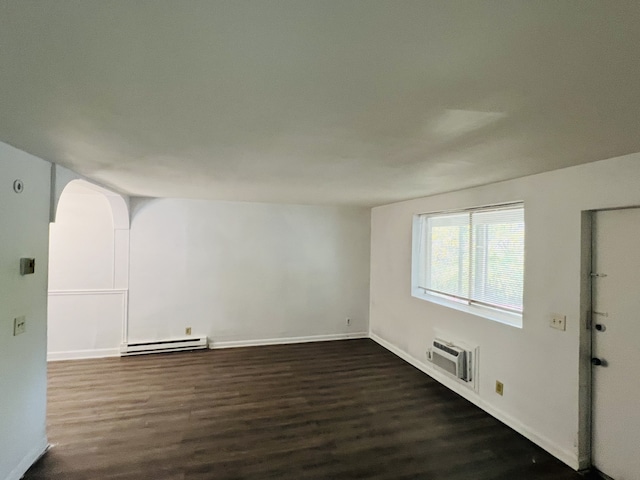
333,410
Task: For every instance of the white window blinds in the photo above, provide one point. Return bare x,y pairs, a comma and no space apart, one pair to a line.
475,256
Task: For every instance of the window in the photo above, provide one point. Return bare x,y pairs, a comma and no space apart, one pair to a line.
473,258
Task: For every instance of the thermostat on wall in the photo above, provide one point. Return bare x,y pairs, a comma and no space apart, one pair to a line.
27,266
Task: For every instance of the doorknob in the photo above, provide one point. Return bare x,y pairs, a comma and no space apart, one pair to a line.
600,327
596,361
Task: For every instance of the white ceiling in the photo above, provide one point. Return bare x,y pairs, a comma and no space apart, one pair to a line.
326,101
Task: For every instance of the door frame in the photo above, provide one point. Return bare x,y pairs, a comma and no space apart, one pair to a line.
585,393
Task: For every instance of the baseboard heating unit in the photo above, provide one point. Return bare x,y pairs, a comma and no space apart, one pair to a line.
452,359
160,346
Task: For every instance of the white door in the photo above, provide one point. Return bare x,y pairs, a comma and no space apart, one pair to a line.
616,343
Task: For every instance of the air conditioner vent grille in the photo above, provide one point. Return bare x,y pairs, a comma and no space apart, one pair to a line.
446,348
452,359
444,363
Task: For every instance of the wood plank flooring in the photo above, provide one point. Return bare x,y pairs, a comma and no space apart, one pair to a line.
332,410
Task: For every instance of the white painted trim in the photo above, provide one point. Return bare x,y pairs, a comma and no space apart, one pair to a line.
81,354
506,318
125,317
287,340
32,457
110,291
568,457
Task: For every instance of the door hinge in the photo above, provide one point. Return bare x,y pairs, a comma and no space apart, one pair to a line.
598,275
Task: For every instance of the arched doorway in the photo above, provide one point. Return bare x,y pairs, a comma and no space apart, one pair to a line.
88,273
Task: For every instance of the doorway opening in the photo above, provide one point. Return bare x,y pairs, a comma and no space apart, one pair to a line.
88,273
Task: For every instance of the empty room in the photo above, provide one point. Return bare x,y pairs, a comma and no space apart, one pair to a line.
319,239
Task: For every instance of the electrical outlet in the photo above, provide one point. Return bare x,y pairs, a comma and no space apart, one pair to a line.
187,330
19,325
558,322
348,322
499,388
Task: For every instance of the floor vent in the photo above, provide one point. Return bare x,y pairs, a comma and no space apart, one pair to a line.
175,345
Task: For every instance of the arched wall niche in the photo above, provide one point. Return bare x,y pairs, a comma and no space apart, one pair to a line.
88,269
61,177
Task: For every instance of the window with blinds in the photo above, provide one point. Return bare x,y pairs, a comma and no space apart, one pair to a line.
474,257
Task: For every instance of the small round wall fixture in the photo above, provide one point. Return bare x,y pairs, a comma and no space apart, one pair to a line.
18,186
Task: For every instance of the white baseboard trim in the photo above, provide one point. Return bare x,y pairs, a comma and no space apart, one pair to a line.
568,457
110,291
286,340
83,354
29,459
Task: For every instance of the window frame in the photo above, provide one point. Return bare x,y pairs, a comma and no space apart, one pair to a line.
467,305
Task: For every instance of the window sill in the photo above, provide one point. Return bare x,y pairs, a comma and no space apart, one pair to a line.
506,318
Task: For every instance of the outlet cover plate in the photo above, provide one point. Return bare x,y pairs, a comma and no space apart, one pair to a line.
558,322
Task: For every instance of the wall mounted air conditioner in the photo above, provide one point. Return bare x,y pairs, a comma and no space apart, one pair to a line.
452,359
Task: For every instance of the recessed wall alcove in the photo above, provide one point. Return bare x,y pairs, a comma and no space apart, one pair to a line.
88,273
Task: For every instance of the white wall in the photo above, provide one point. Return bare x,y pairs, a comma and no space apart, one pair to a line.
85,324
87,302
247,272
82,241
24,224
539,366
